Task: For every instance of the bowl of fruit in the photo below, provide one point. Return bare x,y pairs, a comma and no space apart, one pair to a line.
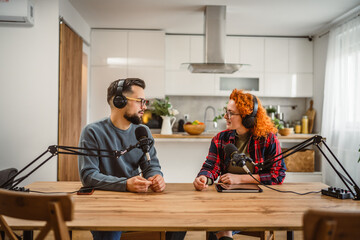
194,128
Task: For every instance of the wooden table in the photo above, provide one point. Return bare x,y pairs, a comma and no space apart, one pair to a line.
181,208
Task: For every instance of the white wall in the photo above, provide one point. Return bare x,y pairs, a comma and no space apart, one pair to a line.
29,90
74,19
29,78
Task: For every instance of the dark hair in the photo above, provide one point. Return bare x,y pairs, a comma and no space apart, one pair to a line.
127,87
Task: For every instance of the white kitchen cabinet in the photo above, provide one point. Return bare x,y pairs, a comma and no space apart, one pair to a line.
179,81
300,55
288,85
276,55
138,54
177,51
232,50
183,49
146,60
288,67
197,49
190,84
251,82
146,48
153,77
281,67
252,52
109,47
181,159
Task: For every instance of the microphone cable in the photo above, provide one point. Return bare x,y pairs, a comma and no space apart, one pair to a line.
85,188
281,191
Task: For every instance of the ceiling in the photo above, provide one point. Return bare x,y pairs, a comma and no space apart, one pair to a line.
244,17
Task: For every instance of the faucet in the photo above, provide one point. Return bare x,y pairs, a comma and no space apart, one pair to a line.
214,115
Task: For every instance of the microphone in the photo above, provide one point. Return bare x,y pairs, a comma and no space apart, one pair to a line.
144,142
237,159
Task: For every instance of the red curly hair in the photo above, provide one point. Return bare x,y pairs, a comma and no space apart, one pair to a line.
244,103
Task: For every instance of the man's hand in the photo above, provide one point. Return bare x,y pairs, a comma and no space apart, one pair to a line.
158,183
200,183
137,184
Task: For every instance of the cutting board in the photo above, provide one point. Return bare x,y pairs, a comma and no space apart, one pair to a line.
310,113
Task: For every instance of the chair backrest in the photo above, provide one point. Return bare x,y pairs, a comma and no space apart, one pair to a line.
5,175
321,225
55,209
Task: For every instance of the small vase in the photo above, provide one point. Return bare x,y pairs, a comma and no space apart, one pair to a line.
167,124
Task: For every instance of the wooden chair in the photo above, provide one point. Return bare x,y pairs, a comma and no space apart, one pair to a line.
55,209
329,225
143,235
262,235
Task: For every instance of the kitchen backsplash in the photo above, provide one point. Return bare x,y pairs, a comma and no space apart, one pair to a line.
195,106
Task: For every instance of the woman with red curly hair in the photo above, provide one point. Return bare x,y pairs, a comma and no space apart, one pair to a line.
253,133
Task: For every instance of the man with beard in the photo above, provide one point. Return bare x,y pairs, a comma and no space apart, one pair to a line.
127,102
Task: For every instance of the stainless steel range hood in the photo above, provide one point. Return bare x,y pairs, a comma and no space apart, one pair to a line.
215,37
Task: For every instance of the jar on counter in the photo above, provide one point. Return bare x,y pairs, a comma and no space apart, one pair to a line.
297,127
305,124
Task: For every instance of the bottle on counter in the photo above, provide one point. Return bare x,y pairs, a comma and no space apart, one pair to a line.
305,124
297,127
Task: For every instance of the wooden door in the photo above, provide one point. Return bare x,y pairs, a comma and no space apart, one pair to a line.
70,71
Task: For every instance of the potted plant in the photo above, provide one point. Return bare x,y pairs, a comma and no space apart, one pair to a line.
163,107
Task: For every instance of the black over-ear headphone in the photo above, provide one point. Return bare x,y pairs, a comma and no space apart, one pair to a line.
120,100
249,121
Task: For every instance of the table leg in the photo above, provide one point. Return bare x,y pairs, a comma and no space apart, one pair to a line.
28,235
290,235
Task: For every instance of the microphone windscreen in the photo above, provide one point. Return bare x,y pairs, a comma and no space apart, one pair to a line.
230,149
140,133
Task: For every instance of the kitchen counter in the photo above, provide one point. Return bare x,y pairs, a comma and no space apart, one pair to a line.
181,155
207,136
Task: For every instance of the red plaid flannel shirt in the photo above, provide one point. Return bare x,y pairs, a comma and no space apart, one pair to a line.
258,149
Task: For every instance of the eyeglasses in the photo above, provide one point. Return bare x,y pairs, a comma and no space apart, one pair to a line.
142,101
229,114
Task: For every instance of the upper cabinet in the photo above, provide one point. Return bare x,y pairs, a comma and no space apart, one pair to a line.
288,70
109,48
146,60
136,54
117,54
252,53
182,49
300,55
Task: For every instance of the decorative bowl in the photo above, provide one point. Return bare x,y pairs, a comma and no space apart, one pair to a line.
194,129
286,131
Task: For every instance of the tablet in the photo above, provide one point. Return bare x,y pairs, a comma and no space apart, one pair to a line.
240,188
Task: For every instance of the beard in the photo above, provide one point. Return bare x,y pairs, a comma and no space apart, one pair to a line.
135,119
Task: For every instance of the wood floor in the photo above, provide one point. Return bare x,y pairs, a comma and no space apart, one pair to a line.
191,235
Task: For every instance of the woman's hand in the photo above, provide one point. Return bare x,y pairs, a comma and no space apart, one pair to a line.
229,178
200,183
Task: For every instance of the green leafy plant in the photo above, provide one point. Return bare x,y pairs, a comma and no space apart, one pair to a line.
359,157
218,117
162,107
278,123
270,110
